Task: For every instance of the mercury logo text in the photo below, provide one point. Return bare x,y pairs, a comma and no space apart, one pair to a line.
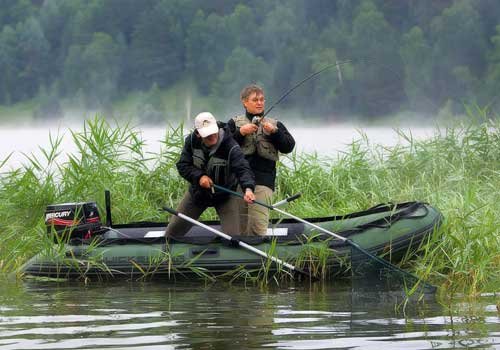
57,214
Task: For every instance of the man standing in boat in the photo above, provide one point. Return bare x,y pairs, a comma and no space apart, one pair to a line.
211,156
261,139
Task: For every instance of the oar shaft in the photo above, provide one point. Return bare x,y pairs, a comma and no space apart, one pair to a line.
287,200
198,223
272,207
310,224
242,244
241,196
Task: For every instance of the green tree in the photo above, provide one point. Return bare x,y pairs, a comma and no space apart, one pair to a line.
417,58
102,60
56,21
489,11
332,87
242,23
157,49
493,73
326,86
8,70
48,104
423,12
240,69
151,108
34,55
25,53
13,12
73,70
288,57
378,85
459,42
279,31
208,44
94,69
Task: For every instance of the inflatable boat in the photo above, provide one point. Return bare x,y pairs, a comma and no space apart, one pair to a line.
137,250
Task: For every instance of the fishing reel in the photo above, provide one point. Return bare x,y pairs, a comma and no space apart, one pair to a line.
256,120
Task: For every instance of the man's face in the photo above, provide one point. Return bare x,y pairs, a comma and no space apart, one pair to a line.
210,140
255,103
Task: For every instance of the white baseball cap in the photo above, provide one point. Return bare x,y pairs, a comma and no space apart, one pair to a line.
206,124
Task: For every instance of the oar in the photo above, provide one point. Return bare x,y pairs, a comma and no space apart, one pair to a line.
287,200
347,241
240,243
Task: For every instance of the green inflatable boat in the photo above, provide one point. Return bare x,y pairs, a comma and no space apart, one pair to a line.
140,249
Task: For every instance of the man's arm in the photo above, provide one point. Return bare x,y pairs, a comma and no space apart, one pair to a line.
235,131
185,164
282,139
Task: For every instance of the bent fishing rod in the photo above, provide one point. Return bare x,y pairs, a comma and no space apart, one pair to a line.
336,64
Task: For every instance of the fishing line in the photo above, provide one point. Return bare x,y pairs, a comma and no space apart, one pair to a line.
338,64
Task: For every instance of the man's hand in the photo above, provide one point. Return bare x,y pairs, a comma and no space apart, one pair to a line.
206,182
249,196
269,128
248,129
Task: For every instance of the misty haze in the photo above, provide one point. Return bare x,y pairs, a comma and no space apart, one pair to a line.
143,142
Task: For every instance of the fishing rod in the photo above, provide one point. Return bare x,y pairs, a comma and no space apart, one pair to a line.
336,64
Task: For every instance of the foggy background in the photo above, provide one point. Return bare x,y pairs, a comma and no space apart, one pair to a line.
155,61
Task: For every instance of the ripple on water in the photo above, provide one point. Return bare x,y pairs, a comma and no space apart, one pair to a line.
161,316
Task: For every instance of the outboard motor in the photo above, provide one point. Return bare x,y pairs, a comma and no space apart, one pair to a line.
73,220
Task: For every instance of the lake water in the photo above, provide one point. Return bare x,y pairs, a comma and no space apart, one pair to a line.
327,140
165,315
162,315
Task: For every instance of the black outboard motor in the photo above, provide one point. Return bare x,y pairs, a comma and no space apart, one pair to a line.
73,220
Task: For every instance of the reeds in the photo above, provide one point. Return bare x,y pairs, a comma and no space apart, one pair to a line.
457,170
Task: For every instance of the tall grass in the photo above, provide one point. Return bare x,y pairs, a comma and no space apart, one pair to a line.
457,170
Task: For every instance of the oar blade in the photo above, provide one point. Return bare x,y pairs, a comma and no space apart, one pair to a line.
375,274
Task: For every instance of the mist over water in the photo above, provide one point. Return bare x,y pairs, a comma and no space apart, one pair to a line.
325,140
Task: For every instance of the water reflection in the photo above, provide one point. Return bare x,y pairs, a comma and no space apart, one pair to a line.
35,315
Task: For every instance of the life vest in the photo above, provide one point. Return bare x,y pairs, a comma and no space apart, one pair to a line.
258,142
218,169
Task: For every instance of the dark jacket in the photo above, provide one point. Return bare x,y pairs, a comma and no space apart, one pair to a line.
265,169
195,157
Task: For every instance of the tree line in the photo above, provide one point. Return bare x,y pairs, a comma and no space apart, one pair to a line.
391,55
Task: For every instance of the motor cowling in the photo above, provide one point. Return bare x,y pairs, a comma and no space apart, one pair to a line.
73,220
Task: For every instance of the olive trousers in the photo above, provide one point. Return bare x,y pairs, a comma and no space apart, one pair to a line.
227,211
254,218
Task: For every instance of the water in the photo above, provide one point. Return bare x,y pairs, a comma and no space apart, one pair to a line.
327,140
135,315
161,315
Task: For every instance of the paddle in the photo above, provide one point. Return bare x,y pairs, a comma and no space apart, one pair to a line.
287,200
240,243
353,245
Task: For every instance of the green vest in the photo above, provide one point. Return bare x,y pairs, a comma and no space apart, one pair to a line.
218,169
258,142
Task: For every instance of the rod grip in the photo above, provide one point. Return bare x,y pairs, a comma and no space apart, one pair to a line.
171,211
294,197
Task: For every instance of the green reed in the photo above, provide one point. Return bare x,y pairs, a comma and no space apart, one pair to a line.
457,170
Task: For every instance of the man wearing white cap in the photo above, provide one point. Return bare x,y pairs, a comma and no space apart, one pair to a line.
210,155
